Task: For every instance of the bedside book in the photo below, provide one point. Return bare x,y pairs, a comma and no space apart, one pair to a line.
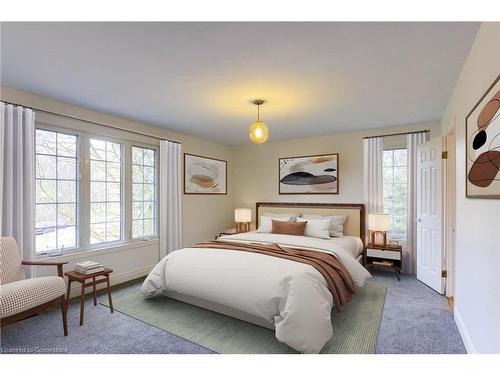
89,267
90,271
382,263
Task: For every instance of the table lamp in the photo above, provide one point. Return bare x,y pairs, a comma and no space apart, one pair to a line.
242,217
379,224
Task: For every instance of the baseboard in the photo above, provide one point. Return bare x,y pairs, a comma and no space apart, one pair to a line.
469,346
114,279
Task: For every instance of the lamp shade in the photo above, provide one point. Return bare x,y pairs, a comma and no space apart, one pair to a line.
379,222
242,215
258,132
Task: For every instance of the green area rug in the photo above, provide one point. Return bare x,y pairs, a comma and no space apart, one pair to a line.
355,329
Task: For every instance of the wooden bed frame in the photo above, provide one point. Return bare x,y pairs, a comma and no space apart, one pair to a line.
318,206
355,208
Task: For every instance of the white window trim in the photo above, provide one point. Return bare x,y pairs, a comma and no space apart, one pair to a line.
77,255
157,175
78,184
123,224
127,139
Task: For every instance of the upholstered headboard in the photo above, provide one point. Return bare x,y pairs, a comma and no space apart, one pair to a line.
355,212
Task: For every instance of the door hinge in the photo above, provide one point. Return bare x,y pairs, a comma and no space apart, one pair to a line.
444,273
444,155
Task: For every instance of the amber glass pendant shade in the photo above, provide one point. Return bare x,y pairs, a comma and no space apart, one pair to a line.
258,132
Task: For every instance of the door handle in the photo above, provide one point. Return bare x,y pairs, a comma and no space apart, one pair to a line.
419,219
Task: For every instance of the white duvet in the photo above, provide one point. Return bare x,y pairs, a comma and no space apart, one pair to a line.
293,296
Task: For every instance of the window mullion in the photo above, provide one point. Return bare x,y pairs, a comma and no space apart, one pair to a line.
127,191
57,196
85,192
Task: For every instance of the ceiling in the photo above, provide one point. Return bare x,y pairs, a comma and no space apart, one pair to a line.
199,78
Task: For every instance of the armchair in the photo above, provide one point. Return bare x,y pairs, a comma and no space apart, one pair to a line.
21,298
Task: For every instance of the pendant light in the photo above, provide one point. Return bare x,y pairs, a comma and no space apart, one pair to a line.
258,131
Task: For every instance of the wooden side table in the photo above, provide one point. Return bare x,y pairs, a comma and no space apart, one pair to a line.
97,278
387,257
232,231
227,232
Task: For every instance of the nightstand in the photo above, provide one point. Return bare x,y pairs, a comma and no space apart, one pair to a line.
227,232
389,257
232,231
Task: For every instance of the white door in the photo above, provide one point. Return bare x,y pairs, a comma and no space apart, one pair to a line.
429,250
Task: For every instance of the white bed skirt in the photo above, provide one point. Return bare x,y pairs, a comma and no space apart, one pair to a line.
221,309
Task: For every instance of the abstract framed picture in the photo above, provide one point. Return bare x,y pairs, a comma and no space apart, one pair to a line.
482,139
313,174
204,175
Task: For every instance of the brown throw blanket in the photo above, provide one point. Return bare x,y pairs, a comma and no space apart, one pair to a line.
339,280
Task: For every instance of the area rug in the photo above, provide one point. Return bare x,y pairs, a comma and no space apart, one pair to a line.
355,329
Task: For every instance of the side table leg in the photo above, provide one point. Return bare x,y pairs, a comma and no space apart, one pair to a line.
397,274
109,295
67,295
94,293
82,303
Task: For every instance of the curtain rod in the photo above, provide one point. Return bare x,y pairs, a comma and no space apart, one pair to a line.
394,134
90,121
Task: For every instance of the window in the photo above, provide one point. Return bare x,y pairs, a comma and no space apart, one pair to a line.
93,190
56,202
105,191
143,192
395,191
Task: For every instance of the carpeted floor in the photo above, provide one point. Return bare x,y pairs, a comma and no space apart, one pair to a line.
356,327
415,320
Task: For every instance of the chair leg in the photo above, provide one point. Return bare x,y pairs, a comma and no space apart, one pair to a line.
64,310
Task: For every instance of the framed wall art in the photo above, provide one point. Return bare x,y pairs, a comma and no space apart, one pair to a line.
314,174
482,140
204,175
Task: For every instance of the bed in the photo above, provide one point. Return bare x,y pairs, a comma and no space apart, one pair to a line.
289,297
354,227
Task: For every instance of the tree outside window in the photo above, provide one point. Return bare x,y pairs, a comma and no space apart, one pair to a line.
395,191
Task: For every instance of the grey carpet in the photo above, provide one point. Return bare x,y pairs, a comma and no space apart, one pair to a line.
355,329
415,320
102,332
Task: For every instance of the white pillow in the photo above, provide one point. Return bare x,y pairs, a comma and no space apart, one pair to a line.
337,226
318,228
293,217
266,224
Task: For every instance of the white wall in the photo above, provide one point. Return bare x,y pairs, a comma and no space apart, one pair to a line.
128,262
477,298
255,172
252,176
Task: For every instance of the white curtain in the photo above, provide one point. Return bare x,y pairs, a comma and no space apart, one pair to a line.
410,250
17,166
170,197
373,178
